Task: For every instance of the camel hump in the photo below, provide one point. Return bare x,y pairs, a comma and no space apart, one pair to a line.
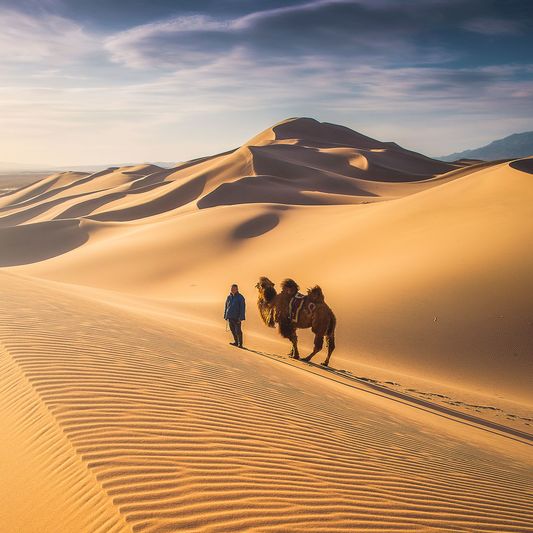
315,294
289,284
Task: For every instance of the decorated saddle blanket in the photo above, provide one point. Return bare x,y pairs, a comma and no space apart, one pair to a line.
296,304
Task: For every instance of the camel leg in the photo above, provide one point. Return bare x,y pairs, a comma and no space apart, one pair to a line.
330,341
319,343
288,331
294,340
294,350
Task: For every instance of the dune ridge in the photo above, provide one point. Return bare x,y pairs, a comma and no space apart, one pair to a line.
279,165
321,458
65,495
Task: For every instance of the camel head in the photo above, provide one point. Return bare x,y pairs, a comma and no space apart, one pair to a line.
263,283
266,289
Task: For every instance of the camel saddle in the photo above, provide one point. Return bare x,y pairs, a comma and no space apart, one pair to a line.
296,304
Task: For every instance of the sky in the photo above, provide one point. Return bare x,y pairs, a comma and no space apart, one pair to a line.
103,81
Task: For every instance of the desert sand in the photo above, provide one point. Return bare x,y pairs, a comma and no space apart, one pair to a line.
124,407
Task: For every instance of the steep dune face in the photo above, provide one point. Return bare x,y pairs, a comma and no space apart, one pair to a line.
35,192
69,195
385,161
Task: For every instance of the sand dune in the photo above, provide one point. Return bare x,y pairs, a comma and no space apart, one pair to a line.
465,299
172,431
282,165
112,289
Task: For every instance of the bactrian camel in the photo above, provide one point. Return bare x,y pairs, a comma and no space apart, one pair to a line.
291,310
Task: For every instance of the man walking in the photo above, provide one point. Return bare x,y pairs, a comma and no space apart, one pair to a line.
234,313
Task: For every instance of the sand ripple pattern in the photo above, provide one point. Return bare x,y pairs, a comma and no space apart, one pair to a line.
182,435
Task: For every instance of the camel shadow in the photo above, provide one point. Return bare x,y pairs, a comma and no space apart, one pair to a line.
375,388
301,360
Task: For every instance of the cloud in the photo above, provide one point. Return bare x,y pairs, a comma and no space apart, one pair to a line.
251,20
372,31
46,37
329,54
171,41
391,103
233,82
367,64
493,26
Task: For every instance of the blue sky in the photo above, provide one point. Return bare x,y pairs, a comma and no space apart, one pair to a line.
115,81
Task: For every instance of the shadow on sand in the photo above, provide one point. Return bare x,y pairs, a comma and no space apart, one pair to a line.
371,386
524,165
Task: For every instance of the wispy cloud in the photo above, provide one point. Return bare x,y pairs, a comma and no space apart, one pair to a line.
494,26
361,30
44,38
233,82
389,68
154,44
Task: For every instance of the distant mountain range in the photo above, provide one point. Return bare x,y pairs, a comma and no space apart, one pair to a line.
511,147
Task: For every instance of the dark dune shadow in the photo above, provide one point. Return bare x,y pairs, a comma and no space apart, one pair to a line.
86,208
173,199
39,197
21,245
36,190
524,165
81,209
256,226
198,160
314,164
43,193
273,189
27,214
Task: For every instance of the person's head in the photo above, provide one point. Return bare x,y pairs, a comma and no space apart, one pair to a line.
234,288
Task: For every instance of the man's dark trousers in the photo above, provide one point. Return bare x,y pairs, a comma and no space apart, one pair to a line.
236,330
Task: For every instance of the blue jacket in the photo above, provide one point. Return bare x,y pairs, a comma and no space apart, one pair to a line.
235,307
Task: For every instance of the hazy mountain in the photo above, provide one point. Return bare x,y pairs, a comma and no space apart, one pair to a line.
513,146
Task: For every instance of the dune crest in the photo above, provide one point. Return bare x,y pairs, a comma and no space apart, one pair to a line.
281,165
